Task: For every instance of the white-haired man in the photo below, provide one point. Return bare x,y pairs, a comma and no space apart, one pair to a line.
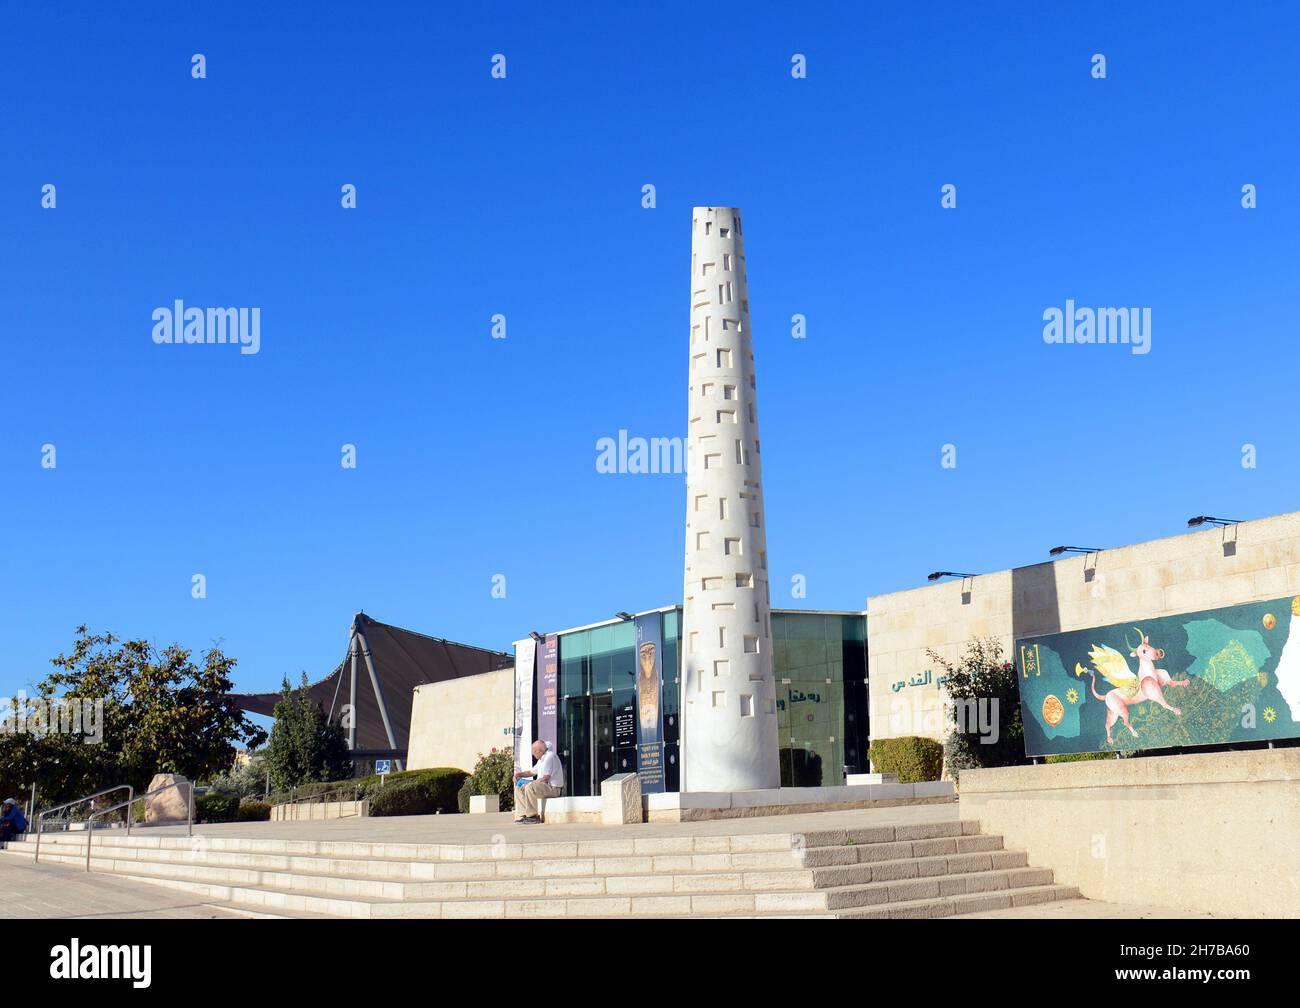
548,782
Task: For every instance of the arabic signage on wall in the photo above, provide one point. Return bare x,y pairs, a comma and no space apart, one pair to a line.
1205,678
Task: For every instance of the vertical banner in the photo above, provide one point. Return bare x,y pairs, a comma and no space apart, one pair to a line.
548,691
525,663
649,693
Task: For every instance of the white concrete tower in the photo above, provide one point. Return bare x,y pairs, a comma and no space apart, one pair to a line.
729,737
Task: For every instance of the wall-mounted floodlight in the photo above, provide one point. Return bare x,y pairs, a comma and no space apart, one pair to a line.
535,635
1058,550
943,574
624,615
1207,520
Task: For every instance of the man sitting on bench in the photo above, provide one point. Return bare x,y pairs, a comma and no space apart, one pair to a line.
548,782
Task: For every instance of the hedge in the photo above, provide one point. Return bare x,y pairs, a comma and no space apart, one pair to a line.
215,807
913,757
253,811
438,785
1078,756
419,792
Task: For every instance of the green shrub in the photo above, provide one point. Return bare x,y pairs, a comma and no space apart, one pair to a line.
215,807
912,757
958,755
416,792
253,811
982,687
463,795
1076,757
495,774
445,791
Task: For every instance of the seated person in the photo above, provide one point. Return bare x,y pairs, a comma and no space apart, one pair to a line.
12,822
548,782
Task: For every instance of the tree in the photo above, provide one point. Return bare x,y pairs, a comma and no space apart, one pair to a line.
985,710
248,781
305,745
158,711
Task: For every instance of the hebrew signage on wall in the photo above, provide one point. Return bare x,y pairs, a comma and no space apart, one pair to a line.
1223,675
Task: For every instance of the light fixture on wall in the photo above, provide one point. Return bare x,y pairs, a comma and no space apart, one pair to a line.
1058,550
1206,519
1229,545
943,574
535,635
624,615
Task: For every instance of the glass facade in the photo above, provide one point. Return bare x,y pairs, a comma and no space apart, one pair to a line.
821,668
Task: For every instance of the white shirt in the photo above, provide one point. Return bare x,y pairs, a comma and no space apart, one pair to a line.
550,764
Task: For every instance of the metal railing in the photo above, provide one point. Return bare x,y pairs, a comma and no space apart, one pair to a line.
40,818
323,797
189,815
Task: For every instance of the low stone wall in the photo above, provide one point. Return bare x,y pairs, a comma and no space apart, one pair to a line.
1215,833
304,811
701,806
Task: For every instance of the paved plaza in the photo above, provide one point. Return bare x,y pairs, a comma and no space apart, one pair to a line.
54,891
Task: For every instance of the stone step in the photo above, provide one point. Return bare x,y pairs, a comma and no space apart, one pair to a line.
876,882
893,860
927,869
406,852
896,850
889,834
412,871
680,905
952,906
429,862
548,850
563,886
913,868
936,888
814,903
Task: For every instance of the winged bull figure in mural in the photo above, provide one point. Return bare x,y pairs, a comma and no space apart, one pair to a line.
1130,688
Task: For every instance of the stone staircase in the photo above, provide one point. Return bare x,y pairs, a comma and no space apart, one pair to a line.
934,869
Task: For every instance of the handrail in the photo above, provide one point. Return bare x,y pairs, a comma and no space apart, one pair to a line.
40,817
189,819
292,796
321,796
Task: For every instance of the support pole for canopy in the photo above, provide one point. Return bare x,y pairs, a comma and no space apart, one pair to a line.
379,693
352,697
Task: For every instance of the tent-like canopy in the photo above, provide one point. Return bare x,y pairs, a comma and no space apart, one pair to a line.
378,676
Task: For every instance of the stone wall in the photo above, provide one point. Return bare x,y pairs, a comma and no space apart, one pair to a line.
453,721
1213,833
1207,569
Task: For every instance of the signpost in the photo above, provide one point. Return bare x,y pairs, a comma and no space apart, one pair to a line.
382,767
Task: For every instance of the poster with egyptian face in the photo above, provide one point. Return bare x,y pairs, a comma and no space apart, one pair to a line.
647,688
1203,678
649,679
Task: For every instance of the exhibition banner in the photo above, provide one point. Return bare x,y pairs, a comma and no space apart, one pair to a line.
1204,678
548,690
649,689
525,662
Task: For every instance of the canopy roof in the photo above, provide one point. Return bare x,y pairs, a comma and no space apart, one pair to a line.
403,660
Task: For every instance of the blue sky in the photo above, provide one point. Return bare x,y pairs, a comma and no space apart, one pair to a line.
522,196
